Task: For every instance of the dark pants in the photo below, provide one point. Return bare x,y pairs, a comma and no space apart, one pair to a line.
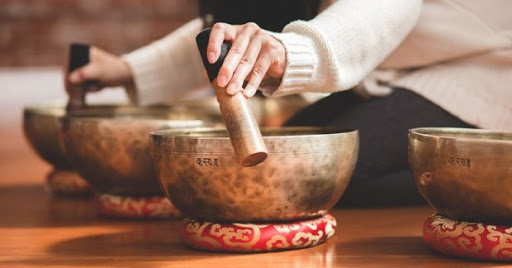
382,176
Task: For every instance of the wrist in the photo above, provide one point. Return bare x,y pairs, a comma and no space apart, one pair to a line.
128,82
300,63
126,74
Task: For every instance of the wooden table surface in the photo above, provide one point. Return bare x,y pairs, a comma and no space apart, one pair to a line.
37,229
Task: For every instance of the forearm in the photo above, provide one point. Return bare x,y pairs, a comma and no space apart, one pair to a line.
169,68
344,43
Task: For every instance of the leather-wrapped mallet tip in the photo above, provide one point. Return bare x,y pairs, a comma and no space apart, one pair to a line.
202,43
78,56
244,132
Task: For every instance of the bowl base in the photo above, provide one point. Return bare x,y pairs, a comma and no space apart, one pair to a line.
153,207
264,237
68,183
471,240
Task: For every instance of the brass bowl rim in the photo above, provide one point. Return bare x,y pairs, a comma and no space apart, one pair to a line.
450,132
142,117
60,109
111,112
50,109
179,132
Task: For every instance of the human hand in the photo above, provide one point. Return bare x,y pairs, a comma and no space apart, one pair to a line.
254,56
103,70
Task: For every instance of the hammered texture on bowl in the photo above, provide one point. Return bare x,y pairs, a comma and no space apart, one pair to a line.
305,174
112,154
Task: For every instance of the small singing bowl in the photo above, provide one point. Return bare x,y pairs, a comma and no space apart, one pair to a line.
465,174
305,174
110,148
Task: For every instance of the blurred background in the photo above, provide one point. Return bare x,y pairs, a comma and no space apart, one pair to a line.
36,32
34,35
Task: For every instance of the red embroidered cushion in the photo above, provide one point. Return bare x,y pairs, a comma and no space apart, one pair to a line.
238,237
136,207
468,239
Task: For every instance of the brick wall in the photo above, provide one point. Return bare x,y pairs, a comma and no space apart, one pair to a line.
36,32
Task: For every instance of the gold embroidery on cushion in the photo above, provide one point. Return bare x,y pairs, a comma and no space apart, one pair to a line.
305,239
329,230
228,234
504,247
312,225
444,228
287,228
195,229
277,241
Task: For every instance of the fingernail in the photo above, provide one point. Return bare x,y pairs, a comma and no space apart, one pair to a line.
232,88
222,81
211,57
249,92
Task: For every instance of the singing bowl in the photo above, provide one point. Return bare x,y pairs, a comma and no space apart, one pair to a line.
40,125
305,174
466,174
110,150
268,112
41,122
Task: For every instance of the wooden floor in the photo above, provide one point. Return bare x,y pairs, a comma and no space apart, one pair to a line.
37,229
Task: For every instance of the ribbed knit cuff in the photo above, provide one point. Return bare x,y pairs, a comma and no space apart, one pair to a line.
300,65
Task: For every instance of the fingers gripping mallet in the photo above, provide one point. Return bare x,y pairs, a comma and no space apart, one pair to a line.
243,129
78,57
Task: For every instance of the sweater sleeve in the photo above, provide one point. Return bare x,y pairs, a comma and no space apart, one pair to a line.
338,48
169,68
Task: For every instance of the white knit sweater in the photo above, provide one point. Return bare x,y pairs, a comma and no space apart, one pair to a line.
458,54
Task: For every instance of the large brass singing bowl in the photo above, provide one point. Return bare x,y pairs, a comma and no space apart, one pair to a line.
41,125
110,150
466,174
305,174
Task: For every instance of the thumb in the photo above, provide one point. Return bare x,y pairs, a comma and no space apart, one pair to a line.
85,73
